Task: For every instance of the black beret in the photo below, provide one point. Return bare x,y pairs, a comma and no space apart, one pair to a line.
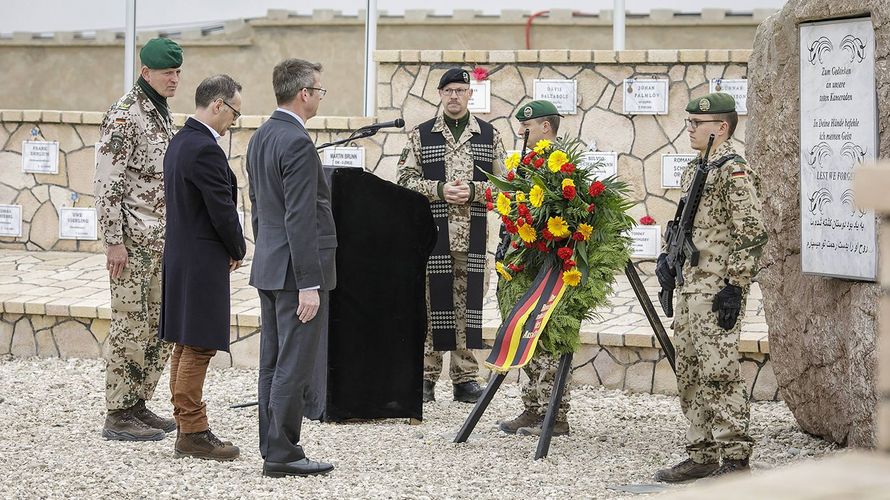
454,75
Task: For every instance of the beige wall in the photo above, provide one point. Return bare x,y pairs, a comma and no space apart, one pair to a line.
70,73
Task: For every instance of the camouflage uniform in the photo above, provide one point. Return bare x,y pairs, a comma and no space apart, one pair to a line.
541,371
458,165
730,235
130,203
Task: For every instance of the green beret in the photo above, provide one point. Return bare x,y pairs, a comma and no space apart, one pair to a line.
161,53
454,75
718,102
536,109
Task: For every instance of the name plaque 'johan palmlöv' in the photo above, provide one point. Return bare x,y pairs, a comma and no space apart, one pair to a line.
838,133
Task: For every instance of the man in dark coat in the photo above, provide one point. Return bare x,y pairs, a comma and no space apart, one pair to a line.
204,243
293,264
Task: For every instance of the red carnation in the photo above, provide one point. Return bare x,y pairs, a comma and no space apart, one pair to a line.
511,175
568,265
489,206
488,195
568,168
591,208
564,253
596,188
647,220
480,73
514,244
528,158
522,209
539,162
577,236
508,195
542,247
528,244
529,219
511,228
520,222
515,268
569,192
546,234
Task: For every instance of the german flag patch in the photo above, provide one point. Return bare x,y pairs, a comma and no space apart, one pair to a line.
739,171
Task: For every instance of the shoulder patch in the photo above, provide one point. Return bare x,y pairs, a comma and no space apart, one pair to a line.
116,143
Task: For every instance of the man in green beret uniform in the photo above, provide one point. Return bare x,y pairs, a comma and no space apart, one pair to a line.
443,161
130,203
541,119
730,235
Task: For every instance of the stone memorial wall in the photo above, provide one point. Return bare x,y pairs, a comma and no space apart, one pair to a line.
822,329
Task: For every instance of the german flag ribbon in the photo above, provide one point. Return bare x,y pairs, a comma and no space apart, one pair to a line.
519,333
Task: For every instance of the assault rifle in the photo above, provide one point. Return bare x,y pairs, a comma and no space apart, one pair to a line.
678,236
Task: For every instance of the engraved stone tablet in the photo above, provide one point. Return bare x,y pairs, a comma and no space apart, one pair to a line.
77,223
40,157
645,97
562,93
11,220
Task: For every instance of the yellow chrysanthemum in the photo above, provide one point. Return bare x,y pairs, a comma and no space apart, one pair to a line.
556,160
567,182
536,196
503,204
572,277
502,270
520,197
527,233
512,161
558,227
585,230
541,145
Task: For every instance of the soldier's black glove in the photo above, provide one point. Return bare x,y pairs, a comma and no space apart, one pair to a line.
728,305
664,273
504,245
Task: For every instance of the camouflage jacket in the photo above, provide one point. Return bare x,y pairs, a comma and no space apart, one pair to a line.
458,165
129,183
728,228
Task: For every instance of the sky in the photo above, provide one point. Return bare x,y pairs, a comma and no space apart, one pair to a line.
88,15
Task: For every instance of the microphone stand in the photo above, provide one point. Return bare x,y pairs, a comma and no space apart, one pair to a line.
361,133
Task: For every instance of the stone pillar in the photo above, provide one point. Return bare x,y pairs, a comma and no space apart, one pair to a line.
872,186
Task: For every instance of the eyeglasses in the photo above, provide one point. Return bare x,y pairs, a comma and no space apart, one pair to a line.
458,92
235,111
692,123
323,91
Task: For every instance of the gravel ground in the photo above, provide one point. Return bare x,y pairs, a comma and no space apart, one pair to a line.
52,411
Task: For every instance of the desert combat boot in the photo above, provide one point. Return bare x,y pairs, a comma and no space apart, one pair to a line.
204,445
150,419
122,425
686,470
527,418
560,428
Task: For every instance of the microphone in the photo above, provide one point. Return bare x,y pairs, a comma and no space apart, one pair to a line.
397,123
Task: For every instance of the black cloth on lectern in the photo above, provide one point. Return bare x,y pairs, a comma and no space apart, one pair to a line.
385,234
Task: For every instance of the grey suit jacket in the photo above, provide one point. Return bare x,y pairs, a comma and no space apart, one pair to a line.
290,209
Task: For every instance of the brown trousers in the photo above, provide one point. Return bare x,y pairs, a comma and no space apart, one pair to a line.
188,368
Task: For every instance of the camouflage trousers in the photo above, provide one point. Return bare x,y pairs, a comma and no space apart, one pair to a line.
463,366
541,371
134,355
713,394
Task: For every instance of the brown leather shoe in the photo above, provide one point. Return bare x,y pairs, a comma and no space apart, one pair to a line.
150,419
121,425
686,470
204,445
527,418
560,428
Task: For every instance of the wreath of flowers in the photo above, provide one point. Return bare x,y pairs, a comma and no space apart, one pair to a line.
560,215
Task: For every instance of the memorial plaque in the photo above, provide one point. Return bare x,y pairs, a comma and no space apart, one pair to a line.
672,167
77,223
562,93
344,157
40,157
838,133
645,97
481,100
11,220
645,242
601,164
738,89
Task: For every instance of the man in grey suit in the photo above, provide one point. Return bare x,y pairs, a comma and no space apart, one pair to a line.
293,264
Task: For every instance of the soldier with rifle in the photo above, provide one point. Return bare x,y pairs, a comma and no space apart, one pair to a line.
711,254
